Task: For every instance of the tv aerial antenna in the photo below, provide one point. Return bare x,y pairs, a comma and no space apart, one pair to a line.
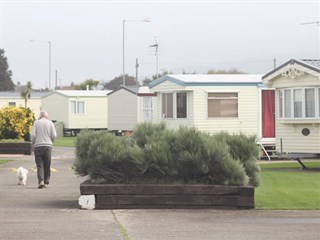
156,46
316,23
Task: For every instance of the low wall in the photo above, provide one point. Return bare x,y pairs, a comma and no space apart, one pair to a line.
135,196
16,148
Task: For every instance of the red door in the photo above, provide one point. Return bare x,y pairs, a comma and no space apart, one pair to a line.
268,114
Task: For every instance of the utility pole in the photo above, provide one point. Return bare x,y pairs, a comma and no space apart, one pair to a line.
56,80
137,66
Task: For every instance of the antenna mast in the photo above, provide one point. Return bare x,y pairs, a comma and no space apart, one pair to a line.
156,46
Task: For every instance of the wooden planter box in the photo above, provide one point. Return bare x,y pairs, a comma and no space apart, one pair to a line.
135,196
16,148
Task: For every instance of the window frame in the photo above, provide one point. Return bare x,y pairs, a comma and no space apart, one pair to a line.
298,106
174,105
164,101
283,104
74,107
223,98
147,110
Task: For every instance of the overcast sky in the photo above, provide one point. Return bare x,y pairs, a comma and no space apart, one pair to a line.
193,36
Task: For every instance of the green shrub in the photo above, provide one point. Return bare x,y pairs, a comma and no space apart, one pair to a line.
107,158
82,163
244,149
110,159
222,168
144,131
16,123
188,151
158,159
155,154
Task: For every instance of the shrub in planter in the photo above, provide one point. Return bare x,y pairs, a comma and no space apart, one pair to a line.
244,149
16,123
143,133
159,166
188,151
82,164
112,159
107,158
155,154
223,169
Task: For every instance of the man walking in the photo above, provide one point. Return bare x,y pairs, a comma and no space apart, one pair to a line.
42,135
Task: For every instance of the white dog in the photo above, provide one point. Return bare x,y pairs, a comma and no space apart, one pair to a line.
22,175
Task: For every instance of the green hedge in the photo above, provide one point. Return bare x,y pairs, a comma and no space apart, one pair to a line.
155,154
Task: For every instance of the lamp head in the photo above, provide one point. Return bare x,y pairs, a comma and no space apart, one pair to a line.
146,20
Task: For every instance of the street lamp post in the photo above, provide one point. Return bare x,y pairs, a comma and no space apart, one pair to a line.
123,46
49,44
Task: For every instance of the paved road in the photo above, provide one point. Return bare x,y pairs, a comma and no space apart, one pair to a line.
31,213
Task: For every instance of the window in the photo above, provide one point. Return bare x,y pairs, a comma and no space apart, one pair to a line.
181,105
174,105
287,103
147,109
73,107
12,104
310,102
299,103
77,107
167,105
222,105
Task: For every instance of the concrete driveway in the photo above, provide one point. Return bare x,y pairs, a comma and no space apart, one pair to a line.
30,213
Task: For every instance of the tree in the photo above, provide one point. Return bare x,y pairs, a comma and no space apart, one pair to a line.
89,82
184,72
146,81
224,71
26,93
117,82
6,83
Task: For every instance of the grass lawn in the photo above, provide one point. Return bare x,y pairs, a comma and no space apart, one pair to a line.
4,161
65,142
284,186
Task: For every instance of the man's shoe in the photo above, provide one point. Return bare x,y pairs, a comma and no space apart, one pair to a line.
46,185
41,185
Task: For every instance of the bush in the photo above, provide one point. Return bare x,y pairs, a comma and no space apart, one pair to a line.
83,141
188,150
145,131
244,149
16,123
107,158
155,154
110,159
222,168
